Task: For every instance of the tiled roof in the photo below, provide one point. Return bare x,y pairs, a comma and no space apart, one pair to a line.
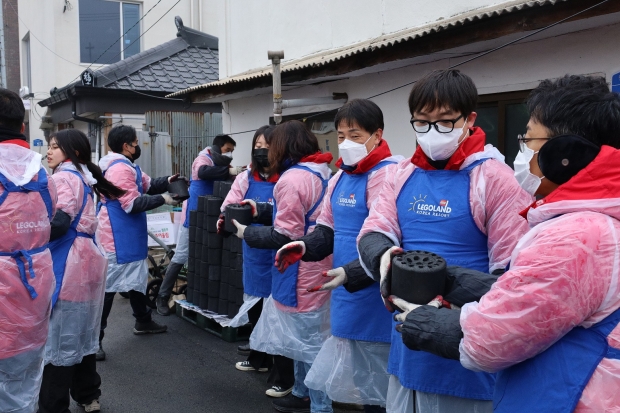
190,67
191,59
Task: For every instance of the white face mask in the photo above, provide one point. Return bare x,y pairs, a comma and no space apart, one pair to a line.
352,152
439,146
528,181
228,154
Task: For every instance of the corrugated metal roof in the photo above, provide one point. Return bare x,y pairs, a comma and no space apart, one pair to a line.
325,57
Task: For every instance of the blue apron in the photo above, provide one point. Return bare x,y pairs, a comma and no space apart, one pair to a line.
130,231
554,380
60,247
284,286
40,186
197,189
434,215
360,315
257,263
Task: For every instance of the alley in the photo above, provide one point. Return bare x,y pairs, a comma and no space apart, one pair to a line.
183,370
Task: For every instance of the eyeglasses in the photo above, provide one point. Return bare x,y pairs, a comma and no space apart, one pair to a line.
441,126
523,141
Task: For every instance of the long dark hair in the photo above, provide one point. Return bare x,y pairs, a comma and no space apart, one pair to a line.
74,144
266,132
290,142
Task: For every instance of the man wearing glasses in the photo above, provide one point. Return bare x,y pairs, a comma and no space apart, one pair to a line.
457,198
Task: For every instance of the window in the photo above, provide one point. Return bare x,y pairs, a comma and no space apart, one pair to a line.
102,22
503,116
26,63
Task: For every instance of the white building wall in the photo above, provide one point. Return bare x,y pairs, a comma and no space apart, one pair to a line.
303,27
518,67
55,57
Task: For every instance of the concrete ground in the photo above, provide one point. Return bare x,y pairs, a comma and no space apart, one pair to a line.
183,370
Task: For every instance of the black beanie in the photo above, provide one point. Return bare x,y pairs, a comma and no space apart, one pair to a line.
564,156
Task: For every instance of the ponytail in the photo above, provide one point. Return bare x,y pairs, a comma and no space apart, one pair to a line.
103,186
74,144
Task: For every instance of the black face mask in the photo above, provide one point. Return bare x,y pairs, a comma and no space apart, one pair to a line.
137,153
262,157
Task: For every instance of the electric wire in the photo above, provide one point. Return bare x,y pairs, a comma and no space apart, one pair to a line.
117,40
143,33
39,40
477,56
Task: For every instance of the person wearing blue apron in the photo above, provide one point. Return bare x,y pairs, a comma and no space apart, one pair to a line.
73,338
352,365
27,206
212,164
456,198
294,322
550,325
123,227
257,185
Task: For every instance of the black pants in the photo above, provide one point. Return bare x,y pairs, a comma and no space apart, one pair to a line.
138,302
81,381
282,368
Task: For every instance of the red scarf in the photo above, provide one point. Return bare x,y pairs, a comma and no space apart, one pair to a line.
474,143
375,156
18,142
318,158
259,178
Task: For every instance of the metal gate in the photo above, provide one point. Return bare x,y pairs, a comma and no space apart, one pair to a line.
190,132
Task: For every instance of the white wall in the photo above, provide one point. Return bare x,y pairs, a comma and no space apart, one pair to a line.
303,27
518,67
59,32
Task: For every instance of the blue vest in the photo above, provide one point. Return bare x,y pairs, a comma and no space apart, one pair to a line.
553,381
60,247
40,186
360,315
435,215
129,231
197,189
284,286
257,263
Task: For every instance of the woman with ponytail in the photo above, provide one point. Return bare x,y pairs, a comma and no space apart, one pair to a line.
80,272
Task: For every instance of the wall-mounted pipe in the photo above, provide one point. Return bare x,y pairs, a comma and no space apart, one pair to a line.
276,57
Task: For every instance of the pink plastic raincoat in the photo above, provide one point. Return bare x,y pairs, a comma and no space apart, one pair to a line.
75,321
24,225
564,273
297,332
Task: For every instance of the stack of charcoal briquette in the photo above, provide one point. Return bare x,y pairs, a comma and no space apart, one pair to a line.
215,264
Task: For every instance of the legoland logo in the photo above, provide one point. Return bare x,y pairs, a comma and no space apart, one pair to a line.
345,201
257,199
420,206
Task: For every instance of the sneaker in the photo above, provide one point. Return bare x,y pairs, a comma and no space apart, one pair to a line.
149,328
246,366
100,355
292,404
91,407
162,306
244,350
277,391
